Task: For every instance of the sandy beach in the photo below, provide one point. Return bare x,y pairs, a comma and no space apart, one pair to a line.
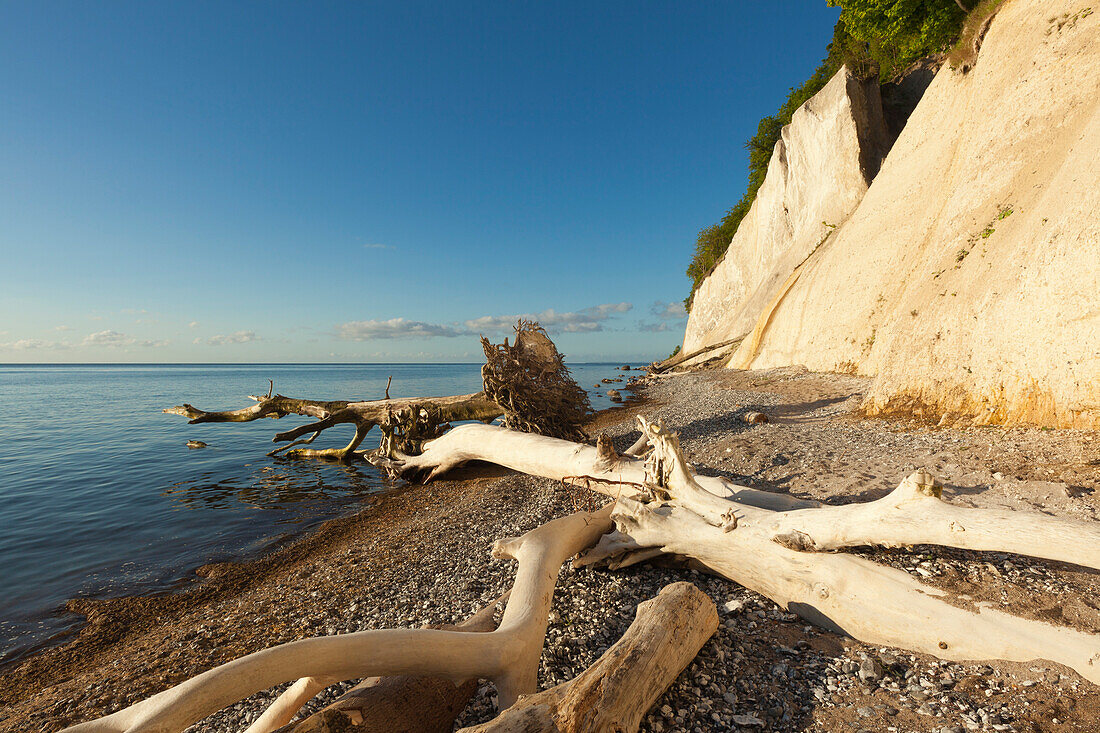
420,554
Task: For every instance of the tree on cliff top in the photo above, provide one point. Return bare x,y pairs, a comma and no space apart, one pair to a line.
898,32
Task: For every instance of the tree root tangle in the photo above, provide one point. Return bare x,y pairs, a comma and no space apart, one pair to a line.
530,381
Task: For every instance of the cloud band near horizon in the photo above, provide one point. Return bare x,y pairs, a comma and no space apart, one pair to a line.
586,320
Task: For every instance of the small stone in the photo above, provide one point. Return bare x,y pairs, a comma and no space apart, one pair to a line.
732,606
870,670
748,720
754,417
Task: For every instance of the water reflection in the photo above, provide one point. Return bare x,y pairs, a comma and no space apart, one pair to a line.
279,487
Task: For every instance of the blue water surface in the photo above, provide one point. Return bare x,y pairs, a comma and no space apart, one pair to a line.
100,496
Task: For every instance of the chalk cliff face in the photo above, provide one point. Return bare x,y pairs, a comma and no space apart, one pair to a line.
818,172
967,278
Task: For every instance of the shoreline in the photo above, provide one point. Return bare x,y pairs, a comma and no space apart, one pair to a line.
62,620
419,554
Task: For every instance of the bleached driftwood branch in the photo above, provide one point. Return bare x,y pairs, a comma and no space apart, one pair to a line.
509,656
556,459
615,693
915,514
424,413
759,540
381,704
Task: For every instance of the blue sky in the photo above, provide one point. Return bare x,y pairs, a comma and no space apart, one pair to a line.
293,181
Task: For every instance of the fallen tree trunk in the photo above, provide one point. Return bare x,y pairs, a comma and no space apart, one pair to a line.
508,656
615,693
665,507
401,704
412,420
674,361
850,595
526,382
605,472
915,514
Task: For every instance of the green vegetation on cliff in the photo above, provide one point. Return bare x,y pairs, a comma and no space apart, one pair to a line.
871,36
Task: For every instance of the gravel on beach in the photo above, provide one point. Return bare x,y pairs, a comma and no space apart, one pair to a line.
420,555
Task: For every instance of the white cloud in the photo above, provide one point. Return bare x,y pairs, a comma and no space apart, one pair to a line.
239,337
668,315
193,324
668,311
114,339
394,328
582,321
63,328
33,345
378,246
109,338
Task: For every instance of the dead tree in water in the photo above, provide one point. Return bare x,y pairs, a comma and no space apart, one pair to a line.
527,382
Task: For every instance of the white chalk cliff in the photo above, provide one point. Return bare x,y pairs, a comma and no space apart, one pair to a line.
966,277
817,175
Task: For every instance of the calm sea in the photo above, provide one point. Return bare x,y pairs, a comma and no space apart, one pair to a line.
99,495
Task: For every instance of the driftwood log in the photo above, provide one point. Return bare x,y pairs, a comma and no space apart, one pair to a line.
411,420
679,358
401,704
615,693
769,542
509,656
526,382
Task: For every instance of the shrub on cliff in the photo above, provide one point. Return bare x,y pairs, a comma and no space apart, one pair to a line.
898,32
